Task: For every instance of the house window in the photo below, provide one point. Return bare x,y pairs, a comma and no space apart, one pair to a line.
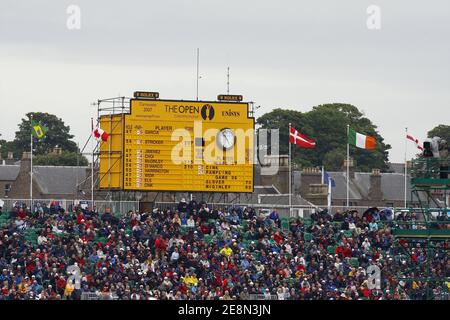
7,189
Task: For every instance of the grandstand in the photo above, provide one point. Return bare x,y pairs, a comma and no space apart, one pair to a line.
432,233
229,254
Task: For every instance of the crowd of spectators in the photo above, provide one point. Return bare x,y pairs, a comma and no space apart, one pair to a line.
193,251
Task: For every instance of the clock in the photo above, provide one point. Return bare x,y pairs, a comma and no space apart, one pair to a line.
225,138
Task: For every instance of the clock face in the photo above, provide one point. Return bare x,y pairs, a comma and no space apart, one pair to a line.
225,138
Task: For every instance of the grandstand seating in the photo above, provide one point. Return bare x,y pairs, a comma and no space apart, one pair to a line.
326,246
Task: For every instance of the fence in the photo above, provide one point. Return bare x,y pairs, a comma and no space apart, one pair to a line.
125,206
97,296
115,206
262,297
265,209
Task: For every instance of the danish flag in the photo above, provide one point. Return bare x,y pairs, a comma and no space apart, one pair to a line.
410,137
301,140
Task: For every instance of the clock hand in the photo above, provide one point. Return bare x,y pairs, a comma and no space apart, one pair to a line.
226,138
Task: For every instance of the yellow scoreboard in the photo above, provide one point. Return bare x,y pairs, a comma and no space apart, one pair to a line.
179,146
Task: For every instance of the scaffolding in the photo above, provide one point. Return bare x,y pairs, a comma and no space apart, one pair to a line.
428,233
119,107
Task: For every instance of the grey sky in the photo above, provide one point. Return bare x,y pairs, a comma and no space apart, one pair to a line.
290,54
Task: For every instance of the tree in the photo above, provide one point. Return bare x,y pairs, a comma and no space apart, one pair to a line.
327,125
63,159
441,131
5,147
58,135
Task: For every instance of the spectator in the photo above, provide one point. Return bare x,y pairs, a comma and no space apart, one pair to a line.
148,255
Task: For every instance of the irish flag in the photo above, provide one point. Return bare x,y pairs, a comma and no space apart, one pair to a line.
360,140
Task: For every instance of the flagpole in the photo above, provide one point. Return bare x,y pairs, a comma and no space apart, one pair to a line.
329,195
348,164
198,64
323,179
31,164
406,168
290,182
92,167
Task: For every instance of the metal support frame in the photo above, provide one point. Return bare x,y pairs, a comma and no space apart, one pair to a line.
426,169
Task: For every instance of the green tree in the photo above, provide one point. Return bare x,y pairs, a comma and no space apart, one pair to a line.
441,131
58,135
327,125
63,159
5,147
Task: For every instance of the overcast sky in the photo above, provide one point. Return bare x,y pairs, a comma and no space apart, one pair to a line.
289,54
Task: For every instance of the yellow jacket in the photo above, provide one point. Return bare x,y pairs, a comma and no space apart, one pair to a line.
22,288
226,251
69,289
191,280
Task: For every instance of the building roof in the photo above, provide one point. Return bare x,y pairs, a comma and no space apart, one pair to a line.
396,167
58,180
283,199
265,190
392,186
9,172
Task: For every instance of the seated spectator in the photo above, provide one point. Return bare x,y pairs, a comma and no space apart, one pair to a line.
191,222
147,256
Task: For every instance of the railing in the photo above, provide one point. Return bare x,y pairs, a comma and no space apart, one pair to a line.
265,209
262,209
97,296
115,206
89,296
430,168
262,297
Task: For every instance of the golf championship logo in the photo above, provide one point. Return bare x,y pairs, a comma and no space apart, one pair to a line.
207,112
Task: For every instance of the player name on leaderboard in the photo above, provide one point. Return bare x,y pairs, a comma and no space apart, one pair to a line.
166,146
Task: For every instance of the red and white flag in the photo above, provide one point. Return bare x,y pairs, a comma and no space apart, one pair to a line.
416,141
100,134
301,140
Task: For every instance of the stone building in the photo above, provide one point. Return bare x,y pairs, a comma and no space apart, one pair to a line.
365,188
49,182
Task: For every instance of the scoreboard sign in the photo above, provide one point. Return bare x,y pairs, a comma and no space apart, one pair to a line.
186,146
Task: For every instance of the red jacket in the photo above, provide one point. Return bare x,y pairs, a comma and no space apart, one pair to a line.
22,214
204,228
366,292
61,283
160,244
278,238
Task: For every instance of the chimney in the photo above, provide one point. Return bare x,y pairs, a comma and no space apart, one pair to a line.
25,164
281,179
317,194
57,150
277,160
375,192
351,167
10,158
309,176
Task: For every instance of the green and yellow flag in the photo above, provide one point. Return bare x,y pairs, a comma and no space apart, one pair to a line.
38,130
